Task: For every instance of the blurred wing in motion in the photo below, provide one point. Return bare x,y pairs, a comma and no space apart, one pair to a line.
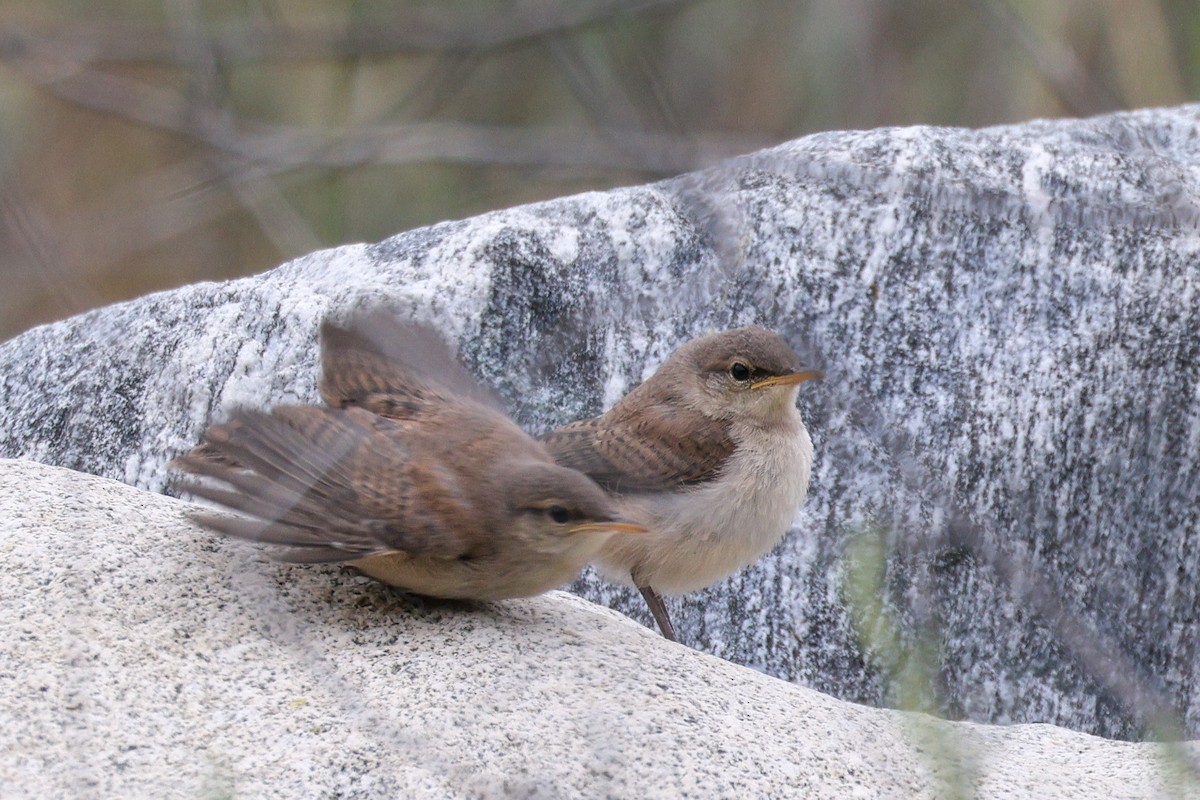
393,368
329,484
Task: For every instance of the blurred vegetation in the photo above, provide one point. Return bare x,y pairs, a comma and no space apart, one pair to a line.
146,145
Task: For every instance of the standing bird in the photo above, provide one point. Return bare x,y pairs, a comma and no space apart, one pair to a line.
710,454
411,475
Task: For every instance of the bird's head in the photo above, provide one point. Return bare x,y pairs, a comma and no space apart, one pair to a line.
744,373
559,510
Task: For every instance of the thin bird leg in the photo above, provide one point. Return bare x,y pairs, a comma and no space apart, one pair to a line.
658,608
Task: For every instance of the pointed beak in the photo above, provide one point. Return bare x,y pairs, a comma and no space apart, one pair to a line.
614,525
791,379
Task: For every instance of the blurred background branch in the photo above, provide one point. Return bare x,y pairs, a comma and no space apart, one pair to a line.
145,145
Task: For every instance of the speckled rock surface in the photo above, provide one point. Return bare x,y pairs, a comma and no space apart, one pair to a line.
143,658
1008,318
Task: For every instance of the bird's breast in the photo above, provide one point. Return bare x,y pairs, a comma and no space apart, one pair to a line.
703,534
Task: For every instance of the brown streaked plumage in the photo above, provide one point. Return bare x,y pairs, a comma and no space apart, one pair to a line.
412,475
709,453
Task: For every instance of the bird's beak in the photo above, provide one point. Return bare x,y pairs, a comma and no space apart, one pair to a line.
791,379
616,524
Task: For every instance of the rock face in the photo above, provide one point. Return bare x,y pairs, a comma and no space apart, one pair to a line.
144,659
1005,507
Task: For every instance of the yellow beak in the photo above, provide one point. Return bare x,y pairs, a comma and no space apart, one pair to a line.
617,525
790,379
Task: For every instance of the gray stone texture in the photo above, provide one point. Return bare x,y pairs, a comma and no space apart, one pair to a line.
144,658
1009,321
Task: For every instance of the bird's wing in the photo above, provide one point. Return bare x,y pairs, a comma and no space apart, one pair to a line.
657,448
328,484
393,368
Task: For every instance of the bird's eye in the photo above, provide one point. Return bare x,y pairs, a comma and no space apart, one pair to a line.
739,371
558,514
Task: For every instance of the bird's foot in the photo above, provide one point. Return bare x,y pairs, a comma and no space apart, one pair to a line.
658,607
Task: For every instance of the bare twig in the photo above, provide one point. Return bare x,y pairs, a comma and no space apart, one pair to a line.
276,217
406,31
616,106
39,255
1057,64
284,147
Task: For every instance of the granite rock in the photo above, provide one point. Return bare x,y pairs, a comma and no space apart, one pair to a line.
143,658
1008,439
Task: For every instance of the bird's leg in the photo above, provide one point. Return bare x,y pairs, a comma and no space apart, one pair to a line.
658,608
